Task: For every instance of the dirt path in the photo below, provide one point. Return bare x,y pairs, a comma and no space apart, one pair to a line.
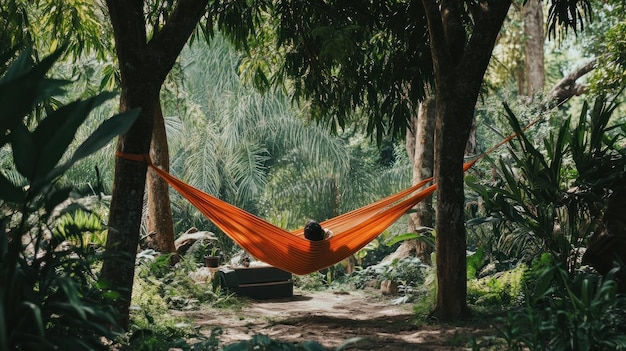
332,318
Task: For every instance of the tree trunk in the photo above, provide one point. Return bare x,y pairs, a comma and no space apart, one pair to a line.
424,160
125,213
421,150
159,221
143,67
451,135
532,12
458,78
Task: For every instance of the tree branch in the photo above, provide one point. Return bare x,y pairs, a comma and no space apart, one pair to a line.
567,87
488,19
437,36
166,45
130,33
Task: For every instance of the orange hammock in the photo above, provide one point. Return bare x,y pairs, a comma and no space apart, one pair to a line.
290,251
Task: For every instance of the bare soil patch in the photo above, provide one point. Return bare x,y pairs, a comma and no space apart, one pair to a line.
331,318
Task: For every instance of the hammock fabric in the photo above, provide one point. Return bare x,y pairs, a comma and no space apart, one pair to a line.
290,250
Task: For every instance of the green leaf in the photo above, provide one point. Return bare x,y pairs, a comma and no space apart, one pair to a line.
22,87
109,129
11,193
18,98
4,342
242,345
21,66
411,236
475,261
56,197
478,221
24,151
31,317
55,133
312,346
349,342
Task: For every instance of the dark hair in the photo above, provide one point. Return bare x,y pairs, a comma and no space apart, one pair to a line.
313,231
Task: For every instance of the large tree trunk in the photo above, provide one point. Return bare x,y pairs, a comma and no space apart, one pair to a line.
143,67
424,160
451,237
420,146
125,214
159,224
459,71
532,12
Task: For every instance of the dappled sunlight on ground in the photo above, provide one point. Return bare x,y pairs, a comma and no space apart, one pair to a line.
331,318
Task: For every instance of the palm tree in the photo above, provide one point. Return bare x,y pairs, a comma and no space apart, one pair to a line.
255,151
305,185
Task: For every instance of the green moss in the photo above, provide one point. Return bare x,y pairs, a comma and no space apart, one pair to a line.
499,290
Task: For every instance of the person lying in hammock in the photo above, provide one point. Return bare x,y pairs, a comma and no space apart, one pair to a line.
314,231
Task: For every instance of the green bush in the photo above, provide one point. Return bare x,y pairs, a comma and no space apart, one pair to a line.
567,312
173,284
414,278
501,290
550,195
158,337
49,295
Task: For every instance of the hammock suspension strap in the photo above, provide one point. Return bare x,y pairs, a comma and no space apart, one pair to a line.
289,250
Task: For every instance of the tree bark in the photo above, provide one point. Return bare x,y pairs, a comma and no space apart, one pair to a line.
421,150
535,79
159,220
125,213
458,78
424,160
567,87
143,67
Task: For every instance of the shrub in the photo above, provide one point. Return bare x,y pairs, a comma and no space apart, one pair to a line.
551,198
49,298
414,278
567,312
265,343
503,289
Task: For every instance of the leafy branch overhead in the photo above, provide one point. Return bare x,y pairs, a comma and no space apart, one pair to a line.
372,59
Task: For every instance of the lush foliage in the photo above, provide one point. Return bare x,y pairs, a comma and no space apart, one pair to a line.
263,342
50,297
414,279
542,208
549,195
255,151
501,289
75,25
565,311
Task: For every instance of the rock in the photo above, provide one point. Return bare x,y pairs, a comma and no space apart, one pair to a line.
186,240
388,287
201,275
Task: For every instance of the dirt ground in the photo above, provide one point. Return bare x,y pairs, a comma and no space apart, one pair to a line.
332,318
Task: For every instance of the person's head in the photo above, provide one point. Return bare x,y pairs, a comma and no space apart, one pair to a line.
313,231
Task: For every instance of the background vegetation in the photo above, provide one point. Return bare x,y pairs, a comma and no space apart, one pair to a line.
531,207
